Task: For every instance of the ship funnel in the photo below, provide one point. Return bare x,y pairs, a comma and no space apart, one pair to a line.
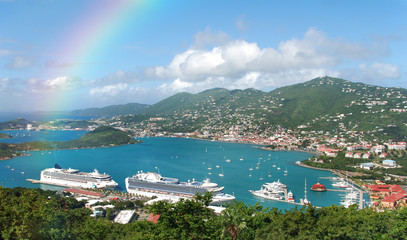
57,166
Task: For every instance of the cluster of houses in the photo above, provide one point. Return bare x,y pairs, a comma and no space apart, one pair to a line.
387,196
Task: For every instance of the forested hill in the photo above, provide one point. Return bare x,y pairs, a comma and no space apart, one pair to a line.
113,110
327,104
100,137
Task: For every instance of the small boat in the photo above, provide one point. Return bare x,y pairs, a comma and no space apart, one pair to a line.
278,168
217,166
222,174
227,160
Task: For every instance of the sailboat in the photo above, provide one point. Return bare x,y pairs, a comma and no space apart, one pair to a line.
285,171
222,174
305,201
274,165
241,158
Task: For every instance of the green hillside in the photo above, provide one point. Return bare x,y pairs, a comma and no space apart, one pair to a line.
100,137
15,124
322,104
3,135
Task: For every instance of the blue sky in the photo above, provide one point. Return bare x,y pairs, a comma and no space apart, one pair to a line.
65,55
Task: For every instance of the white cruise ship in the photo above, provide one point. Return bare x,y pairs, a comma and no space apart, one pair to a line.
153,184
73,178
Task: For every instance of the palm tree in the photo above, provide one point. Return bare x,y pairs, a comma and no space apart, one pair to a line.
232,222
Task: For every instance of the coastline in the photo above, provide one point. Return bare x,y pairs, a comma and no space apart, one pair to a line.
337,173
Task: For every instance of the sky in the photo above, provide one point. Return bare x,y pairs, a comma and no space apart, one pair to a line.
60,55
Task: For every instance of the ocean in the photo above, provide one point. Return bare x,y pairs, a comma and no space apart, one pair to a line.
185,159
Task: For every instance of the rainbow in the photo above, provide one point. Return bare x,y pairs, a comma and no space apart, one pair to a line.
96,26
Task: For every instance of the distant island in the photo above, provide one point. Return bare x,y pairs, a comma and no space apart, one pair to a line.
3,135
100,137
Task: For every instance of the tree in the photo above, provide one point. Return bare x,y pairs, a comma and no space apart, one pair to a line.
232,221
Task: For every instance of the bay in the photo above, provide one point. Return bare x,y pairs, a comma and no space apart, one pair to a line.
182,158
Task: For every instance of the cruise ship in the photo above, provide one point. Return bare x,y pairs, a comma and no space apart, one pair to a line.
73,178
153,184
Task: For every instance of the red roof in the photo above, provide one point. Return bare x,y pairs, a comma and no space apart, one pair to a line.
89,193
318,186
153,218
394,197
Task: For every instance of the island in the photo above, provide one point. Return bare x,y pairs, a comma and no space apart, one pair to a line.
103,136
4,135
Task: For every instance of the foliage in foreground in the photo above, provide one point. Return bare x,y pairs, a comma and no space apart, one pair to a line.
37,214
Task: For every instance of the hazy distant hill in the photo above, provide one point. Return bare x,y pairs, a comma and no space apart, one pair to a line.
113,110
15,124
324,103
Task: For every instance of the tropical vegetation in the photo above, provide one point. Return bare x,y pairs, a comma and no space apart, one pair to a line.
38,214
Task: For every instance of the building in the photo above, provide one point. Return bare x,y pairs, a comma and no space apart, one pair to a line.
357,155
389,163
392,201
367,166
125,216
383,155
366,156
349,155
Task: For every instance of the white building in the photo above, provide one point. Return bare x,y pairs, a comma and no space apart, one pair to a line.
389,163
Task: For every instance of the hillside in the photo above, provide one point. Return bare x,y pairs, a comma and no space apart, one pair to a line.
19,123
322,104
3,135
100,137
110,111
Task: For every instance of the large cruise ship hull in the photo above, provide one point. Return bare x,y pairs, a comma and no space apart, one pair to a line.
173,192
61,177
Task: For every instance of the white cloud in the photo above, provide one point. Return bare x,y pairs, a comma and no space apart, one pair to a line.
176,86
242,64
210,38
62,83
19,62
5,52
3,84
109,90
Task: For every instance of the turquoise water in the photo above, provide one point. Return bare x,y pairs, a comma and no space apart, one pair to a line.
180,158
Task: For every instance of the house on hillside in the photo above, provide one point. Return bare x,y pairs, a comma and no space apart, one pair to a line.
389,163
357,155
367,166
366,156
349,155
383,155
378,149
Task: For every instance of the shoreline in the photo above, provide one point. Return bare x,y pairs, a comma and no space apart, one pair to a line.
337,173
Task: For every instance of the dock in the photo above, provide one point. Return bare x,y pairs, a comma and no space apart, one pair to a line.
42,182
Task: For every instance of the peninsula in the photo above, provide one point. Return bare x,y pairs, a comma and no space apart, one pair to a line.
100,137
